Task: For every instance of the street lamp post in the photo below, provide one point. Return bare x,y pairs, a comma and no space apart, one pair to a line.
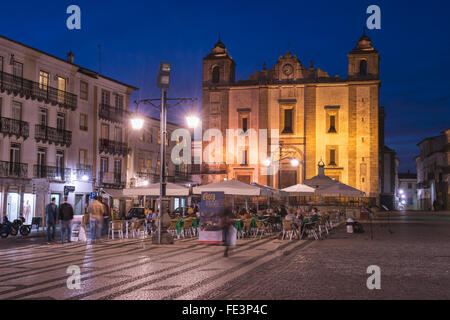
163,83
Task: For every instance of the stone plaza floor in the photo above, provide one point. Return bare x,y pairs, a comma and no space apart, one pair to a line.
411,249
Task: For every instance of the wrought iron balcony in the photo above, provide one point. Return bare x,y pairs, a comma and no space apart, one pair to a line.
110,113
113,147
36,91
113,180
13,127
13,169
53,135
51,173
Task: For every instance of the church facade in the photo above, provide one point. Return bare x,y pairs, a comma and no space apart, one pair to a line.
314,117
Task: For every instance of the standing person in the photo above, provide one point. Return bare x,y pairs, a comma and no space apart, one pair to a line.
96,210
225,223
66,216
51,214
106,215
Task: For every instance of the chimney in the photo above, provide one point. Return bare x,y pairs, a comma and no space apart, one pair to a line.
70,57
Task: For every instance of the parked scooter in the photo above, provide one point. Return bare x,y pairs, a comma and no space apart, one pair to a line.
8,228
24,229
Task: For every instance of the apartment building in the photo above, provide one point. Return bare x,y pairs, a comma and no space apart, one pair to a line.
63,130
433,172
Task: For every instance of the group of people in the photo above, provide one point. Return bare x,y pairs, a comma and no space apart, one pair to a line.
54,215
98,216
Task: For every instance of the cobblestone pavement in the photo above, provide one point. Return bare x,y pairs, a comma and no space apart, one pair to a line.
411,249
413,252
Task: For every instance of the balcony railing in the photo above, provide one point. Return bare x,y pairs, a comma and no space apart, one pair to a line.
30,89
113,147
53,135
13,169
110,113
51,173
13,127
114,180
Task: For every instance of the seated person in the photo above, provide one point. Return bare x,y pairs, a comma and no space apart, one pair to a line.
315,215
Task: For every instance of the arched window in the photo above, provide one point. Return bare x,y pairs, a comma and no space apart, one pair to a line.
216,75
363,67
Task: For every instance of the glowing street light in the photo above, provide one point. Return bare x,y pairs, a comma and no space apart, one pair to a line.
295,162
192,121
85,178
267,162
137,122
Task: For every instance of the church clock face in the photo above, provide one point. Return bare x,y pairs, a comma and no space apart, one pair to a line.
288,69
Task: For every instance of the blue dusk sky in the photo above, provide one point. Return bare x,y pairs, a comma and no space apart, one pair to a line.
136,35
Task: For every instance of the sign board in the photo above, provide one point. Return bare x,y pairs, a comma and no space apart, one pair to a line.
93,194
211,210
68,189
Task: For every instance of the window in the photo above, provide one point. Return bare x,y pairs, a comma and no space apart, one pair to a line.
84,90
216,75
245,124
104,164
119,101
105,131
105,97
288,121
141,164
62,89
149,164
1,64
363,67
44,79
60,165
409,185
332,157
332,128
244,160
14,159
41,163
43,117
14,153
17,70
118,134
159,136
82,158
83,122
61,121
17,110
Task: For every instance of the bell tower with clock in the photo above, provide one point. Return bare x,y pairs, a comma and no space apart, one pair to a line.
288,67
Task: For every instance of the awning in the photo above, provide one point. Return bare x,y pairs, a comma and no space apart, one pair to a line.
115,193
231,187
339,190
300,190
172,190
276,193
